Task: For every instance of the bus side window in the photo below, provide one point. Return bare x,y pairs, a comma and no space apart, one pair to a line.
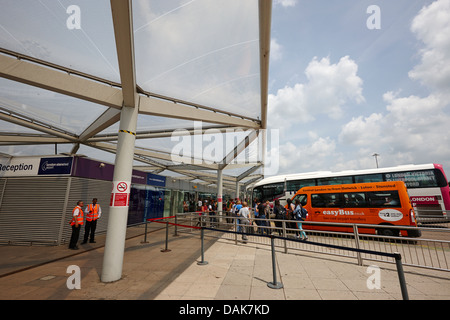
335,200
384,199
317,201
355,200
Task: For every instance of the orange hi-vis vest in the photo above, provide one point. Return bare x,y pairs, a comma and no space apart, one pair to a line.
93,212
79,218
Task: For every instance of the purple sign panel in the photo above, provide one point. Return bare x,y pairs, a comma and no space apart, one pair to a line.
93,169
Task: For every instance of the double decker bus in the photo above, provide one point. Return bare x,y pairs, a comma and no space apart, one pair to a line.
427,185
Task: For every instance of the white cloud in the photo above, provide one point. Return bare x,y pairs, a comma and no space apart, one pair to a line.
409,129
285,3
276,50
432,27
306,157
328,89
413,128
359,131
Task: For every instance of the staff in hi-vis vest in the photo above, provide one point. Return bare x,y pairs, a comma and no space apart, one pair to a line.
93,213
76,223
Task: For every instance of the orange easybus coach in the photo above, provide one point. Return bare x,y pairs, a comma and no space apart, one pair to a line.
377,203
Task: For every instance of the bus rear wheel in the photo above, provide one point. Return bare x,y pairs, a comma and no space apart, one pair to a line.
388,232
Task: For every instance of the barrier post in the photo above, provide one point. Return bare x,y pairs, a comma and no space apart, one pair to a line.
145,234
401,275
235,229
274,284
202,262
167,238
358,253
176,225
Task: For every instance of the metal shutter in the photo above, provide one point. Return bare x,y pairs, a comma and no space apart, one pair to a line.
31,208
39,209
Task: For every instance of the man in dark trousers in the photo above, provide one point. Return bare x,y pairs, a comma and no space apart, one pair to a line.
76,223
93,213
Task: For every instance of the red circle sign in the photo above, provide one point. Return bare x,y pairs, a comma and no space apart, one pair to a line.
122,186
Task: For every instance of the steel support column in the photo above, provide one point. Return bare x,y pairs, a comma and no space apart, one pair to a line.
123,167
118,215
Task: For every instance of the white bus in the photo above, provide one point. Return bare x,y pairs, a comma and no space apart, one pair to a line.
427,185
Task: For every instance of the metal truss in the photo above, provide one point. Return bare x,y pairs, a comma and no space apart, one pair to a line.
45,75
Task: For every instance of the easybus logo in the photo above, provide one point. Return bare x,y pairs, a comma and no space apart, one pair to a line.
342,212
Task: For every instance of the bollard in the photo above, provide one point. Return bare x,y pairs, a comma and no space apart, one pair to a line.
167,238
284,236
274,284
401,275
145,235
176,226
358,253
203,262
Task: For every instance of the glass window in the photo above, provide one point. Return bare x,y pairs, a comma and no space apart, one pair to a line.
327,200
271,191
377,177
354,200
380,199
334,180
295,185
302,197
416,179
257,193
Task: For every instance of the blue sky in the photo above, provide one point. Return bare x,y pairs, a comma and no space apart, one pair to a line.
340,92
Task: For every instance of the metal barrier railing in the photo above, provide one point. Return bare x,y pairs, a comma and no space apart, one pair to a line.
423,252
201,222
432,217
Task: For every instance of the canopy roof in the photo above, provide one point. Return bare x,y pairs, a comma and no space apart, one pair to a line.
197,70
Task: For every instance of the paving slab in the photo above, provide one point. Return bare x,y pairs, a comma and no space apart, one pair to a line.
233,272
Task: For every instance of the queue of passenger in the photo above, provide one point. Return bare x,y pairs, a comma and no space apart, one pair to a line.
263,218
267,218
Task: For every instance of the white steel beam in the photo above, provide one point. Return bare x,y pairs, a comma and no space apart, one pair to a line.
32,73
165,108
108,118
265,18
122,15
239,148
58,81
6,139
22,121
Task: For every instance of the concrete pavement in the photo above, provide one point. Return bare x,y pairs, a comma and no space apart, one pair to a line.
233,272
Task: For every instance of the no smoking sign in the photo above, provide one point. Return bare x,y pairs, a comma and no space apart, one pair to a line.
122,186
120,195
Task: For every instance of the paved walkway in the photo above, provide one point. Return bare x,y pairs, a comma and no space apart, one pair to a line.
233,272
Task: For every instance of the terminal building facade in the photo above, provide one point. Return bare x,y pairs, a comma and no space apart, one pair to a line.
38,194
